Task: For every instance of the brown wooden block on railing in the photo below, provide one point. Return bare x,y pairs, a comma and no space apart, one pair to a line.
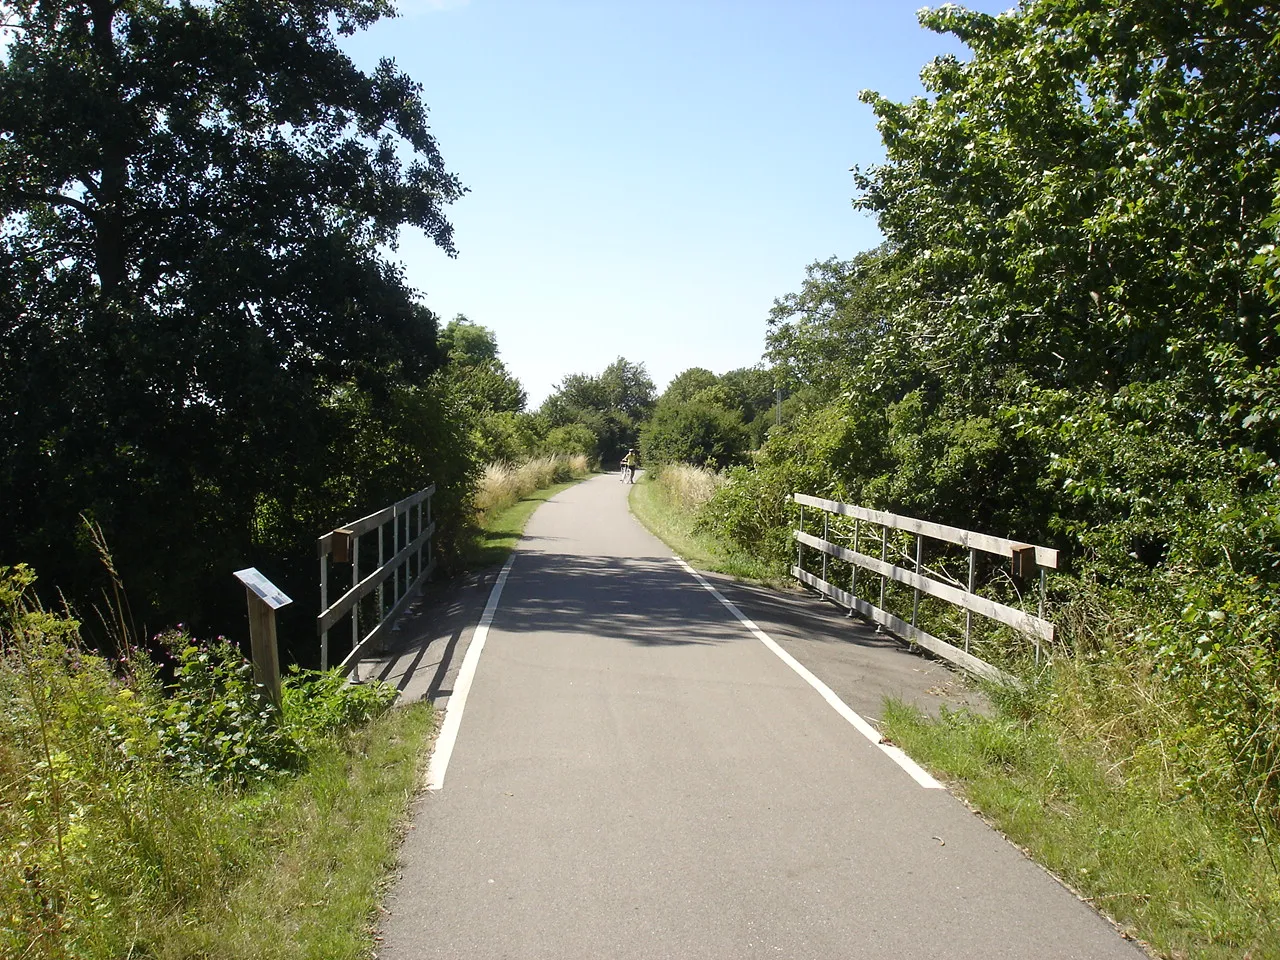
1024,561
342,540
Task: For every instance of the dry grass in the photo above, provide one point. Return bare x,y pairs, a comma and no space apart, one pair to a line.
504,485
686,487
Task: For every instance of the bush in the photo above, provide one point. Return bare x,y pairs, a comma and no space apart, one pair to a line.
571,440
697,433
217,724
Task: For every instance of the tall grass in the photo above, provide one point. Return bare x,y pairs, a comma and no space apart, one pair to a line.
673,503
506,484
135,813
686,487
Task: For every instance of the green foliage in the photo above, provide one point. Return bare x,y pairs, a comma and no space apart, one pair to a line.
123,803
610,406
195,292
695,432
687,384
672,501
217,725
1070,336
317,704
572,439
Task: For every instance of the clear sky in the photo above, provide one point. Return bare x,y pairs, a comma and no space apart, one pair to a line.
645,177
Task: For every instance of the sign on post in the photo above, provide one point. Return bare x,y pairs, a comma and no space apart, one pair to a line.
265,598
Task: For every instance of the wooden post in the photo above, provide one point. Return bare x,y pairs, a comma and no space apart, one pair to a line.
264,598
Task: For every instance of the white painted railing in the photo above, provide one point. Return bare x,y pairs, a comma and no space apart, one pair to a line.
405,559
1026,559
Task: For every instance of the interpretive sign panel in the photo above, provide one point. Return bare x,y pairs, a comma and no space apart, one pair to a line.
265,590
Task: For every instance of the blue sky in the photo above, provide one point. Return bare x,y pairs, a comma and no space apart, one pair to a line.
645,177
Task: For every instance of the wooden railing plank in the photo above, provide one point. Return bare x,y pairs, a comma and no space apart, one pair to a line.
903,629
1019,620
1000,546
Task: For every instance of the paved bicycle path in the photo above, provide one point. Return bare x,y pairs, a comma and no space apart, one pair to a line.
637,776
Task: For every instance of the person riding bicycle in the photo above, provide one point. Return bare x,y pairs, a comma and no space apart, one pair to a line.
629,465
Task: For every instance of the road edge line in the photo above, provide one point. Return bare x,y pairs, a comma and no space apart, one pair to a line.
443,750
913,769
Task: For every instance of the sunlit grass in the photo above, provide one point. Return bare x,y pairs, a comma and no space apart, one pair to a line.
668,503
1168,869
324,846
503,485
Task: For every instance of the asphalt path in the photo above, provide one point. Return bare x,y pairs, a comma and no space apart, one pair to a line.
637,775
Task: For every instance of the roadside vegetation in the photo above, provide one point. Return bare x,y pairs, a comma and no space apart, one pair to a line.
1070,337
1170,869
163,807
669,500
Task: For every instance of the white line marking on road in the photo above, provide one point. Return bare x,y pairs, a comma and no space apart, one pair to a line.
439,762
914,770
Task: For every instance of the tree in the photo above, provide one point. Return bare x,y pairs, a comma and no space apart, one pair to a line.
467,343
1073,334
686,384
471,352
627,389
696,432
610,405
196,200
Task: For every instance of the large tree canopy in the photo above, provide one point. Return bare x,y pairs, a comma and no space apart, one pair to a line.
197,309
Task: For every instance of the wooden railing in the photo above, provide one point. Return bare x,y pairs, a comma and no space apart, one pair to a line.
1027,560
405,559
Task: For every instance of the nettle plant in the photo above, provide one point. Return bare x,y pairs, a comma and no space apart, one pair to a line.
217,724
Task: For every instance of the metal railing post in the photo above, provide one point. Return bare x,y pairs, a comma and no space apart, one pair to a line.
799,545
968,617
395,574
355,608
324,605
382,558
1040,609
915,601
825,539
884,556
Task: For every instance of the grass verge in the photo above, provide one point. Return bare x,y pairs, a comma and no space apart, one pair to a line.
326,842
191,817
1169,871
675,524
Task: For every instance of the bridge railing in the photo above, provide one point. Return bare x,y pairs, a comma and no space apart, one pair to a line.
405,558
872,527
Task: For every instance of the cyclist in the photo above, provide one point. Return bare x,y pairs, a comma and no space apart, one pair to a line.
629,466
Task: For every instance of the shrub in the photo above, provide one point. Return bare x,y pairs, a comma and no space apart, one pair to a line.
217,724
697,433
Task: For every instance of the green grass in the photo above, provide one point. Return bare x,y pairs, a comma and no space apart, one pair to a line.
492,542
676,526
324,845
1169,870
